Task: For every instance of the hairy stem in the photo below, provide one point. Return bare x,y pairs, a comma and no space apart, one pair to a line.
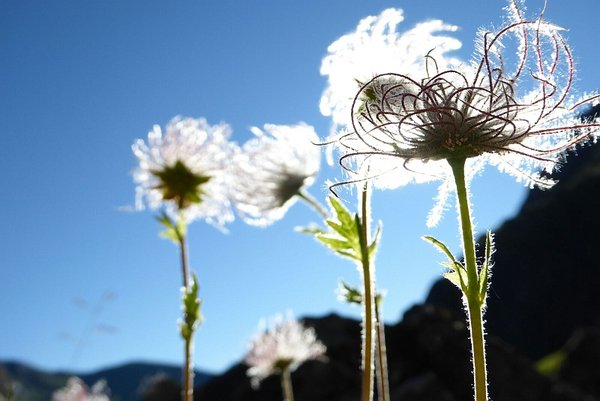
368,301
286,384
473,300
383,386
313,203
188,373
183,252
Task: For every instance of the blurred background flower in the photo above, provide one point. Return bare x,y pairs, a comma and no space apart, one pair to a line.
273,170
284,345
76,390
184,170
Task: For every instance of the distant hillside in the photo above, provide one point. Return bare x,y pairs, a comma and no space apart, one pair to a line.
125,381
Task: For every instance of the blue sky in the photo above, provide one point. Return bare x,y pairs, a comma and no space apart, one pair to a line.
86,285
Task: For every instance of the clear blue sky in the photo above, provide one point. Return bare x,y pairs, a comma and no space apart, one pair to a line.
80,80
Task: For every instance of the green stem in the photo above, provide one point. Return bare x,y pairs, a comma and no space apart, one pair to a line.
185,271
367,363
188,373
286,385
313,203
383,386
474,305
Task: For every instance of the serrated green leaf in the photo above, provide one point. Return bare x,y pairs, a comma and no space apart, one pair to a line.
350,294
343,230
343,234
341,212
454,278
192,316
335,244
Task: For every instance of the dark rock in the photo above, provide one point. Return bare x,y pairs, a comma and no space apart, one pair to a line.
579,368
338,378
426,387
160,387
429,359
430,339
564,392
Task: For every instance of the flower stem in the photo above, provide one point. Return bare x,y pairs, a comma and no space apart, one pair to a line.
368,300
286,384
472,295
188,373
383,386
313,203
185,272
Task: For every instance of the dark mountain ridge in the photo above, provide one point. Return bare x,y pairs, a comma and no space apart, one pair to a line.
126,382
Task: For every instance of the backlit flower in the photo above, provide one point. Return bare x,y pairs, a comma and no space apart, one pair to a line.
375,47
184,170
516,113
286,344
272,169
76,390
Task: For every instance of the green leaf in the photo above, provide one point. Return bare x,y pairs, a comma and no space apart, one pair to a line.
454,278
457,274
350,294
341,212
173,231
375,242
342,235
551,364
441,246
344,231
192,315
340,246
310,230
486,267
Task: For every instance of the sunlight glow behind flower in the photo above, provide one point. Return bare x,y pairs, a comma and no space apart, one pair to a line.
518,116
272,169
286,344
185,168
76,390
376,47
